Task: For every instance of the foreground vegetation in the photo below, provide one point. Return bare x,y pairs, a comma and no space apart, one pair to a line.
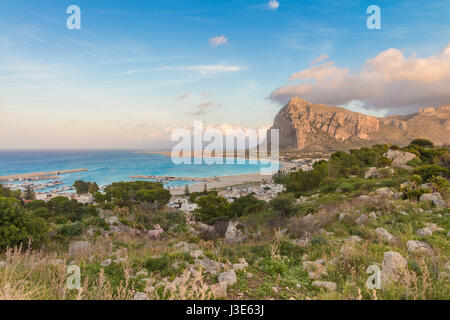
314,241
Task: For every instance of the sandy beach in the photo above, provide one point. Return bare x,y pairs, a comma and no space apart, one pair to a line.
228,181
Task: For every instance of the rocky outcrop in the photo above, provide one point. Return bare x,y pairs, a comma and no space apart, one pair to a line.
315,127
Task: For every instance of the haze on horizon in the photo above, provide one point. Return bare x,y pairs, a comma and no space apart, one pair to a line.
137,69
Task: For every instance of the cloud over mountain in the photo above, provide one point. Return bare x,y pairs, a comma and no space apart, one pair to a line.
390,80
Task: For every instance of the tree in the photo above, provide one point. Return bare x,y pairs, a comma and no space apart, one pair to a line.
422,143
17,225
283,203
29,193
244,205
212,208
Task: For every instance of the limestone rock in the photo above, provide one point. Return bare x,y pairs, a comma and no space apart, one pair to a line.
362,219
234,235
384,235
315,270
330,286
418,247
394,269
424,232
436,198
140,296
228,277
106,263
219,290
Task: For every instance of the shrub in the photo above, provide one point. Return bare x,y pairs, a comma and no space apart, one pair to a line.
283,203
383,162
72,230
212,208
428,171
422,143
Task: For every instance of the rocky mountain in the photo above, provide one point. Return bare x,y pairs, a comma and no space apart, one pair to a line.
320,128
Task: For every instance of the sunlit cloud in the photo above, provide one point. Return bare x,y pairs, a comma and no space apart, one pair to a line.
389,80
273,5
218,41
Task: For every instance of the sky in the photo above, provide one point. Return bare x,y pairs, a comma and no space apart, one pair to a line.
139,68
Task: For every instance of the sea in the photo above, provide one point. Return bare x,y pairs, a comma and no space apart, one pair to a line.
108,166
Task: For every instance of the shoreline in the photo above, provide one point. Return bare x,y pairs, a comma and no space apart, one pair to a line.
37,175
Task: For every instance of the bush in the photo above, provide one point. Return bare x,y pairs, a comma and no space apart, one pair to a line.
71,230
283,203
212,208
245,205
17,225
383,162
428,171
422,143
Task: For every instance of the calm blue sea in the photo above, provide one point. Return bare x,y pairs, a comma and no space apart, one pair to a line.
105,167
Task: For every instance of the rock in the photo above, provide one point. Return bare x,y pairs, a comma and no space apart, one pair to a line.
342,216
362,219
196,254
56,261
78,246
156,232
315,270
418,247
2,264
394,269
239,266
219,290
353,239
363,197
249,275
373,215
448,234
205,228
385,192
424,232
436,198
233,235
106,263
275,289
111,220
400,158
228,277
330,286
140,296
372,172
384,235
209,265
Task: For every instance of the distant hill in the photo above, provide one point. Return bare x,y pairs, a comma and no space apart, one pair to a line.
320,128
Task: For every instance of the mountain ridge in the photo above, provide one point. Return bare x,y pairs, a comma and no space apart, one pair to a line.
316,127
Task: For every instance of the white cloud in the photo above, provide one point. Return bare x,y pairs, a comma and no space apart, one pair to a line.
390,80
202,69
218,41
273,5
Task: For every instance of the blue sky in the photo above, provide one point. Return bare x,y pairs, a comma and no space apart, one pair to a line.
137,68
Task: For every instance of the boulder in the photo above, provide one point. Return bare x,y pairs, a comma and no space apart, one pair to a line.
78,246
434,227
219,290
385,192
362,219
384,235
234,235
418,247
400,158
436,198
330,286
140,296
394,269
205,228
196,254
228,277
371,173
424,232
209,265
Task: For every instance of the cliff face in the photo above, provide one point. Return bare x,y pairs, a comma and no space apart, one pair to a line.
315,127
